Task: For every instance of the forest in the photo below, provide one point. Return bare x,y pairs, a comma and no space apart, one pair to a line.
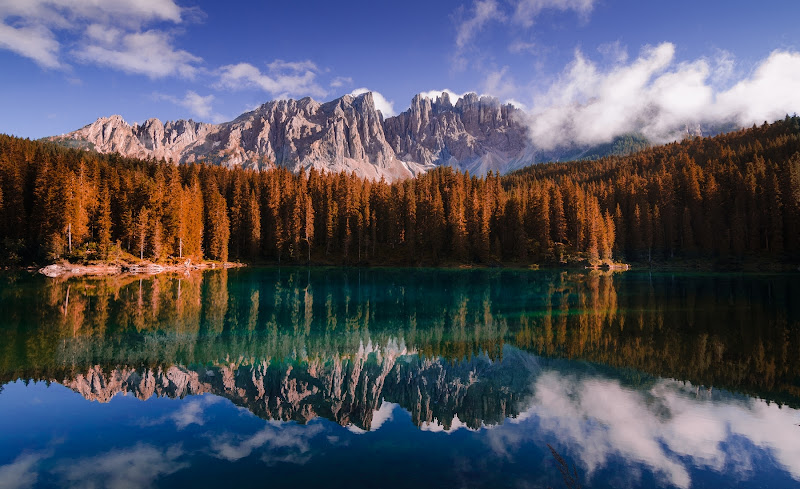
730,198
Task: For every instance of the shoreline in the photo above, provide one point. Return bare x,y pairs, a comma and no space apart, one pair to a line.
67,270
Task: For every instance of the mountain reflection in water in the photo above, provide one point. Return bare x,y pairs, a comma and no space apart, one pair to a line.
667,380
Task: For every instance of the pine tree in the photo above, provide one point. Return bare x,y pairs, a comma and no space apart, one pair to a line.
104,224
252,225
142,225
309,226
217,225
557,219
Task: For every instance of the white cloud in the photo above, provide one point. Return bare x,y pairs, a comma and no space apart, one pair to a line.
770,93
35,42
21,473
198,105
341,81
434,94
513,15
148,53
657,96
500,84
293,66
669,428
437,427
289,438
136,467
526,11
613,52
188,413
483,12
519,46
192,412
28,28
385,106
516,103
283,79
61,13
103,33
382,415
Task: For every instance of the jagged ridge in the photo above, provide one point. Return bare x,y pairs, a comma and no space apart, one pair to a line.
346,390
347,134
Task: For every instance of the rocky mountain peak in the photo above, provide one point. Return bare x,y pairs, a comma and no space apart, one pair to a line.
346,134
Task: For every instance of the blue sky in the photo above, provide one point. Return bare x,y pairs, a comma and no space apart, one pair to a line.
615,65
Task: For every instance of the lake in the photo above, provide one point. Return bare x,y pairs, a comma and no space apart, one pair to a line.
400,377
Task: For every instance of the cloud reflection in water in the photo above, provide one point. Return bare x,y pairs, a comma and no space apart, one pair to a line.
669,428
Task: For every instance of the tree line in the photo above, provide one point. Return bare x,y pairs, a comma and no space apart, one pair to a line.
736,195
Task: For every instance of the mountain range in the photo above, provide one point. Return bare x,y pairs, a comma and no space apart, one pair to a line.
347,390
475,134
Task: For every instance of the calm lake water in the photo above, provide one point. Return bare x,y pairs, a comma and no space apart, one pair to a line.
400,378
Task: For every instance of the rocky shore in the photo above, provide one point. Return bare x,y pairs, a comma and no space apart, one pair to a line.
65,269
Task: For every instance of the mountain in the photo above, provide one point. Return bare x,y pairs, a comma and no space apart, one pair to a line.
347,134
347,390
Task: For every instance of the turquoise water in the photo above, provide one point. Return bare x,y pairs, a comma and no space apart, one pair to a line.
399,378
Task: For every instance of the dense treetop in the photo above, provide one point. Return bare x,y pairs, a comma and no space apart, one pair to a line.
734,196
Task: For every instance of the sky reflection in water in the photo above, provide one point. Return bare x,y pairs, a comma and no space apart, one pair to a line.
381,399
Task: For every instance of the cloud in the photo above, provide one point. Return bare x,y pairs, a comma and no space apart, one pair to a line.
513,13
613,52
35,42
469,24
379,417
654,94
60,13
770,93
434,94
136,467
189,413
341,81
519,46
659,97
385,106
148,53
483,12
292,66
28,28
198,105
283,79
382,415
670,428
500,84
21,473
436,427
103,33
280,442
526,11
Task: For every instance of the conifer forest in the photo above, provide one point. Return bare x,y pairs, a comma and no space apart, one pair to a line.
735,196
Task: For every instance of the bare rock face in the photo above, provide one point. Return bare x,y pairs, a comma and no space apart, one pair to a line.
475,134
345,389
152,139
347,134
